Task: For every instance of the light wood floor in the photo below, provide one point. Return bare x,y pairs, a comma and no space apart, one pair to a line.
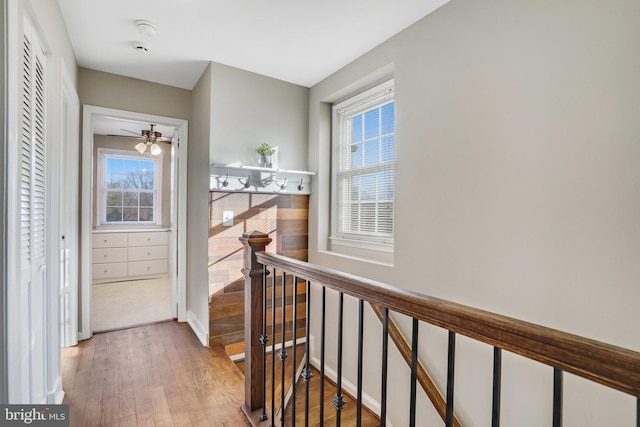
155,375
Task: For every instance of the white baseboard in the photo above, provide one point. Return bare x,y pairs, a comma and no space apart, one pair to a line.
56,395
278,346
201,332
372,404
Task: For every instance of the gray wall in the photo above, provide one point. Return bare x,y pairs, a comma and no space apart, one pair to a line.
516,192
249,109
124,93
197,194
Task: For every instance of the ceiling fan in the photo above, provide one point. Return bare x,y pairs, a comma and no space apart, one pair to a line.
150,139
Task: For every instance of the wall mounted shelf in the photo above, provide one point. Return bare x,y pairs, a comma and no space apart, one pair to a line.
253,179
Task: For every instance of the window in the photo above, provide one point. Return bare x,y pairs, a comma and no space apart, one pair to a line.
363,167
129,188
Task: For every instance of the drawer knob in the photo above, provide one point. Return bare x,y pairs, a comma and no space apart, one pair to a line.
148,253
106,271
148,268
105,240
105,255
148,239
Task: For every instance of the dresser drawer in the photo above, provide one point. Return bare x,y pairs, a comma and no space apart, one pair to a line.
109,255
157,238
109,240
141,268
110,270
144,253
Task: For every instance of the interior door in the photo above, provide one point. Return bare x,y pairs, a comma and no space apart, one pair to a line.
32,214
69,189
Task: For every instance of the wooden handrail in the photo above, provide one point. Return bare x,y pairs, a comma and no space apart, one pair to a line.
612,366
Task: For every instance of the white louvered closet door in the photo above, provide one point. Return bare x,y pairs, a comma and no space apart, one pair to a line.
32,214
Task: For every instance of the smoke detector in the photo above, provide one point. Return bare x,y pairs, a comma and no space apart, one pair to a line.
146,28
141,47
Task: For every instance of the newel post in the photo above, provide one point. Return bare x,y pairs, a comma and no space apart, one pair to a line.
253,241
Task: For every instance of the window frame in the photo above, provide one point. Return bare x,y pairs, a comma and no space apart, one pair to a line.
101,220
361,103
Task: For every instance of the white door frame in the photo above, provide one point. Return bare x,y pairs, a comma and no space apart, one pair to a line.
179,241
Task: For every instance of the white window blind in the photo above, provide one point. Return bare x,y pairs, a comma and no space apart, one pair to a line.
364,158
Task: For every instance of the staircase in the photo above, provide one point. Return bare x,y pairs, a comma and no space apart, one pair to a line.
321,410
226,325
226,313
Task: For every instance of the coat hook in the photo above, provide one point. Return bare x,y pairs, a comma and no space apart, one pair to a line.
282,186
226,181
300,187
247,183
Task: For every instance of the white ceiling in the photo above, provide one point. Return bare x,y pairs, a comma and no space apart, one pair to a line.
297,41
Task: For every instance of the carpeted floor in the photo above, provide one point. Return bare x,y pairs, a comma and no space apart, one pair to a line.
122,304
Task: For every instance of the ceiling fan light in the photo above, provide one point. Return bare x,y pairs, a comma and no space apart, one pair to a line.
155,149
141,147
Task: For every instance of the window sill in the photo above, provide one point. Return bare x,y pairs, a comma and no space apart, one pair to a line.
362,244
127,228
366,259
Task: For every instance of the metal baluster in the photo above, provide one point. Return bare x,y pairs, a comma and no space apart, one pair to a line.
450,378
360,345
638,412
283,350
338,400
306,373
322,350
557,397
273,348
264,339
294,296
385,352
497,386
414,373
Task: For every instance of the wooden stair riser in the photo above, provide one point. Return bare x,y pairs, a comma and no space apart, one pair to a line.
226,312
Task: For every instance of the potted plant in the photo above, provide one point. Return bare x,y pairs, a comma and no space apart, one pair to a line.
265,151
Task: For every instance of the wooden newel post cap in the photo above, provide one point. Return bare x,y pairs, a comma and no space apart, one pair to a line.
253,241
255,238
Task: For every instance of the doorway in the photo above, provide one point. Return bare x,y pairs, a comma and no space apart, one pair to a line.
133,258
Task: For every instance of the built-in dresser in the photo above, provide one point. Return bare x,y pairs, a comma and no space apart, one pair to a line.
129,255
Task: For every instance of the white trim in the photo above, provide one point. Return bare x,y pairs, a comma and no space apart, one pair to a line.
56,395
201,332
356,105
179,211
362,244
4,208
157,206
70,215
241,356
372,404
13,295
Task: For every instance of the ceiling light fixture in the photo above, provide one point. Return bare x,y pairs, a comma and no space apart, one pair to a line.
146,28
150,143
